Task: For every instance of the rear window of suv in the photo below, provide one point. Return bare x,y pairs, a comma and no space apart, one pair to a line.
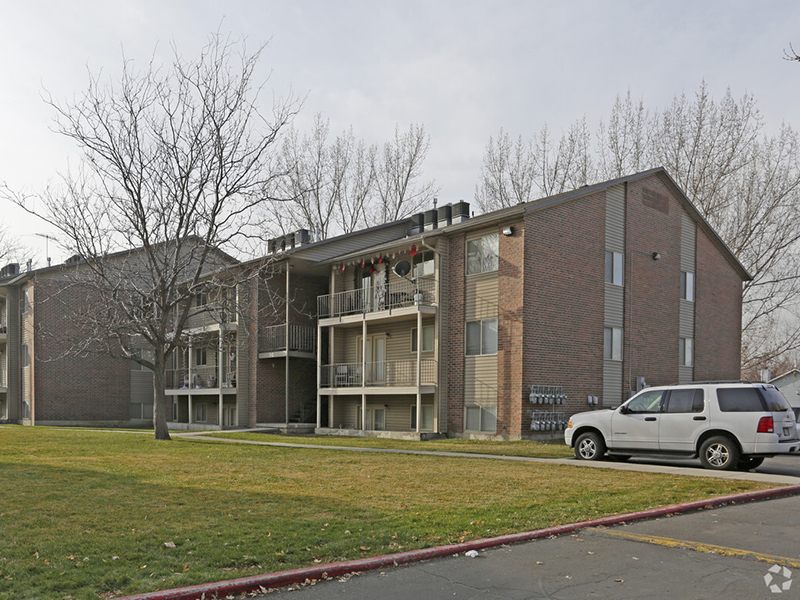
751,399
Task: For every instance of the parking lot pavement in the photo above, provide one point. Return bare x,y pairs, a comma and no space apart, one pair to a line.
721,552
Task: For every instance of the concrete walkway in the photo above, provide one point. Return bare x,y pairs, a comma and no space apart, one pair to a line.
626,466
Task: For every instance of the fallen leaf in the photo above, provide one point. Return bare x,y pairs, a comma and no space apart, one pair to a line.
169,544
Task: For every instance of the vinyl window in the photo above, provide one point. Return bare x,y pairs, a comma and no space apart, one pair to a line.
615,268
612,343
481,418
483,254
687,286
686,352
481,337
427,338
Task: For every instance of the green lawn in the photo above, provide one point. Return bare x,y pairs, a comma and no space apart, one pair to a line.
88,514
554,449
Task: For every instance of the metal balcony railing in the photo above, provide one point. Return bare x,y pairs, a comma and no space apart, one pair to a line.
377,298
302,338
203,377
3,378
390,373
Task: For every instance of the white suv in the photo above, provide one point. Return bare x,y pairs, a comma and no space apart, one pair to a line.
728,425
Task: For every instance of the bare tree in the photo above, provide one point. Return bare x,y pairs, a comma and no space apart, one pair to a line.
745,182
398,169
508,173
10,247
175,159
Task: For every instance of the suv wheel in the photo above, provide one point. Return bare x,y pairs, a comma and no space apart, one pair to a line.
590,446
719,453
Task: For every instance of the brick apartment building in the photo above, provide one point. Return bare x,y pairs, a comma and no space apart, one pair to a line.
499,325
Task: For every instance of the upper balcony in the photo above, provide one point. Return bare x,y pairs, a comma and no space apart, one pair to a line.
203,379
3,332
3,374
399,298
383,377
302,341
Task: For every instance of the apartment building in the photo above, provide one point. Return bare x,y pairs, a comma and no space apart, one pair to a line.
442,324
503,325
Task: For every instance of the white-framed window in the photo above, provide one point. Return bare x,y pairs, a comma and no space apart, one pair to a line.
687,286
423,264
427,338
24,301
427,417
200,357
480,418
376,418
612,343
615,268
481,337
201,298
25,357
483,254
201,412
686,352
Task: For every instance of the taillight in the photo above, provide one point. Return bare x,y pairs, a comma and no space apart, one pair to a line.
766,425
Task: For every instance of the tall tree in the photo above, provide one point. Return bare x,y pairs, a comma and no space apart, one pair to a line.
745,182
174,160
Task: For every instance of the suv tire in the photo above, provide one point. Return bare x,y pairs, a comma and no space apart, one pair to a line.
590,446
747,463
719,453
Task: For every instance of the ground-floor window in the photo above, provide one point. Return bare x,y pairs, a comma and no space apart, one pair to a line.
427,417
201,413
481,418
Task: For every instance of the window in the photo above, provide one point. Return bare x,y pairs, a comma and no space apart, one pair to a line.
612,343
614,268
686,352
481,418
201,413
427,417
423,264
25,358
687,286
481,337
684,401
201,298
483,254
427,338
24,301
646,402
175,411
200,357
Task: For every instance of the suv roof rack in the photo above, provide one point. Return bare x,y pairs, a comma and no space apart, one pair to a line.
715,381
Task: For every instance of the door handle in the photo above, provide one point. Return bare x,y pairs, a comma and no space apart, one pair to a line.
698,418
649,418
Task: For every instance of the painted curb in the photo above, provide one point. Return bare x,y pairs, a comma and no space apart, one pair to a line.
282,578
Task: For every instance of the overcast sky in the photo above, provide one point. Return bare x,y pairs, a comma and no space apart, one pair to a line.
462,69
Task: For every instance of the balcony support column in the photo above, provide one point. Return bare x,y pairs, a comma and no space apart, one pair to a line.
220,355
419,372
190,371
319,374
363,374
286,342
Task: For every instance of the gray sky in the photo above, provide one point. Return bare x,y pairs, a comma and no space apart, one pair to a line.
462,69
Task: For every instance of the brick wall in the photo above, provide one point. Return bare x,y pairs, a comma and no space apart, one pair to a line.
453,355
718,309
652,287
564,293
91,387
510,335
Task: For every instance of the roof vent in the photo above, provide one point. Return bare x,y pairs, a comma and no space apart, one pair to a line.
9,270
445,214
417,222
302,237
460,211
74,259
431,219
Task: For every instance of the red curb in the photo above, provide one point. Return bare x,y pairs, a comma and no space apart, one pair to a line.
254,584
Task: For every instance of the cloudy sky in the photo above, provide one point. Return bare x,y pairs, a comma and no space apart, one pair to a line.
462,69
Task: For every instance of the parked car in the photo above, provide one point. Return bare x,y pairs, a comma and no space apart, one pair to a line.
728,425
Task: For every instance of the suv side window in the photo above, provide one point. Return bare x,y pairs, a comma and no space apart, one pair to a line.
684,401
646,402
740,399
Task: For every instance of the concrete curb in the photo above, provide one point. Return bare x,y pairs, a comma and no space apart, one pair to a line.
271,580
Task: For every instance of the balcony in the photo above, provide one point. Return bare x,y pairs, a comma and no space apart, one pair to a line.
302,341
386,374
203,378
3,375
397,295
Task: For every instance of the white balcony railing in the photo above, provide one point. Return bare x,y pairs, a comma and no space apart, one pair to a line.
377,298
390,373
302,338
3,378
203,377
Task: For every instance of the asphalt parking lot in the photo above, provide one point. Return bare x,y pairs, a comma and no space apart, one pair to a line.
739,552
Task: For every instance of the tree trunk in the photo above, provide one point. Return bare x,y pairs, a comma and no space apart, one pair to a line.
160,399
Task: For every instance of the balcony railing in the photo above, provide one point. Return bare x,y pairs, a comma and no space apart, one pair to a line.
203,377
3,328
377,298
390,373
3,378
302,338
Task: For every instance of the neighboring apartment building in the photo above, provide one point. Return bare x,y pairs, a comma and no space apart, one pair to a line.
500,325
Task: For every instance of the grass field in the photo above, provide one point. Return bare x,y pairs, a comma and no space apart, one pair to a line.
88,514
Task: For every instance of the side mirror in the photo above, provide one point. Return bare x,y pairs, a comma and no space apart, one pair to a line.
623,410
